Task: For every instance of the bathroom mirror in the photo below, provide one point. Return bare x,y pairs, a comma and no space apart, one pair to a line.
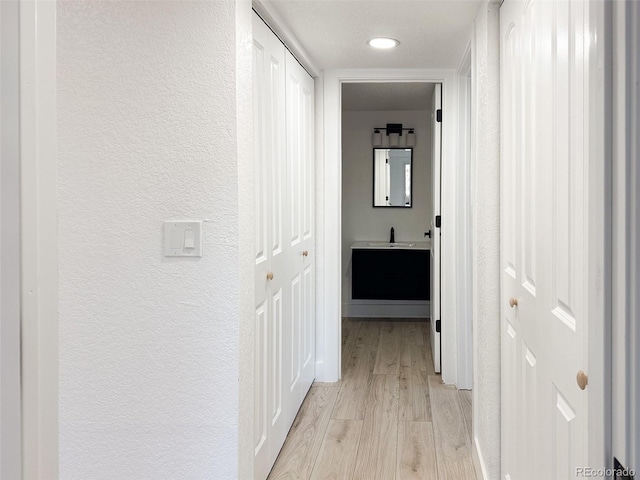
392,177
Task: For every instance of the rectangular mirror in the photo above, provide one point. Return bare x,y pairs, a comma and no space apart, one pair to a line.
392,177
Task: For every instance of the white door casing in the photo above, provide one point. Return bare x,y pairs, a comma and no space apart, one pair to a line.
39,242
625,225
10,311
284,256
329,180
544,236
436,164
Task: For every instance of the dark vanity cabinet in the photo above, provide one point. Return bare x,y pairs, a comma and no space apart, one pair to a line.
390,274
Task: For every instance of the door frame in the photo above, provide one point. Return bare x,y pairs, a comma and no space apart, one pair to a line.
599,287
10,373
39,245
329,230
625,275
464,214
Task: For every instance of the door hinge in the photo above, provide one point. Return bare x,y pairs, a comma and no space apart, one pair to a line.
387,161
438,221
620,472
439,115
438,326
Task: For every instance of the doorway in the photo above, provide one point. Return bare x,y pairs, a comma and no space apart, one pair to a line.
368,108
330,278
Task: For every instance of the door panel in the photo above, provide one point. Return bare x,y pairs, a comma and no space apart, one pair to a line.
275,386
436,163
294,145
308,329
543,229
529,374
563,415
300,155
261,429
308,163
308,235
271,419
294,334
261,215
510,424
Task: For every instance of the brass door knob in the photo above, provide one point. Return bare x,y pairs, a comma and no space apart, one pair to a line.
305,253
513,302
582,380
270,276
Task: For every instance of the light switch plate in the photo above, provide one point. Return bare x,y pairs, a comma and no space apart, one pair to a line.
183,238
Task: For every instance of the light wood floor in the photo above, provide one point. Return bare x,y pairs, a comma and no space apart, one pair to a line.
389,418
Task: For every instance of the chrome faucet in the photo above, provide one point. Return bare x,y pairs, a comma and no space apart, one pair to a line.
392,237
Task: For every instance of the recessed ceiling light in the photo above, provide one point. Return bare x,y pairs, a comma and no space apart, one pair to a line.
382,42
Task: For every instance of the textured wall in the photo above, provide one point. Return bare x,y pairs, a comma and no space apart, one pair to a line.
360,221
149,346
486,241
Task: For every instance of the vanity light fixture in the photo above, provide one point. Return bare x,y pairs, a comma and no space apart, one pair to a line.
411,138
383,43
377,138
394,132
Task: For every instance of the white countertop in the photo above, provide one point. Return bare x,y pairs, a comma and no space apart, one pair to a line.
379,245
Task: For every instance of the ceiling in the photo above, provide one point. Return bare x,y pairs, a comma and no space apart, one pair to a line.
386,96
432,33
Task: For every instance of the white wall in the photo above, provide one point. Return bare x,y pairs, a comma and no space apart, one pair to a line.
360,221
485,184
148,125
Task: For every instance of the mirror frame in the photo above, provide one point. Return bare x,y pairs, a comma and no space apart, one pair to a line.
373,177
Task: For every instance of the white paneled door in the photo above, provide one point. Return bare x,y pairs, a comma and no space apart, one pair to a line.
271,422
544,237
284,240
301,239
436,165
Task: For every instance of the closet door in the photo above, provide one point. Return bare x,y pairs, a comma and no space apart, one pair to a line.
545,237
272,416
284,244
301,241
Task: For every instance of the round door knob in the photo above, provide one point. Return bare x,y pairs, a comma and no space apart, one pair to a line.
305,253
270,276
582,380
513,302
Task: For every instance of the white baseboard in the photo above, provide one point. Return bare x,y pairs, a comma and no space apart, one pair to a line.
320,376
478,462
386,308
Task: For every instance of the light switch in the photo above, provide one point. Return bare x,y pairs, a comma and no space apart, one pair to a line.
189,241
183,238
176,239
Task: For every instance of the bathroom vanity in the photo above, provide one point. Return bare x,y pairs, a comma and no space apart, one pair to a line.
390,271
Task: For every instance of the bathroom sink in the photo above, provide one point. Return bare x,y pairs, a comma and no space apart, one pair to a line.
389,245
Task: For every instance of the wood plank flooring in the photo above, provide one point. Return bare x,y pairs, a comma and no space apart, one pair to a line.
389,418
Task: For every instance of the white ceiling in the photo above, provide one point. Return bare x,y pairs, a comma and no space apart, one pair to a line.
432,33
386,96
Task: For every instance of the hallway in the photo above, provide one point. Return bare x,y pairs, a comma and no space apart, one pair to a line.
390,417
